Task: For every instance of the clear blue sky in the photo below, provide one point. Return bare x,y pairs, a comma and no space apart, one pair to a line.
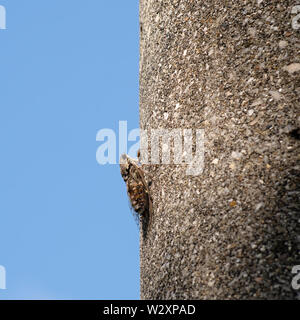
68,68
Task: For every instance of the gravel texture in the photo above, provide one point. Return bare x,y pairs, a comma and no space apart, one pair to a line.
233,69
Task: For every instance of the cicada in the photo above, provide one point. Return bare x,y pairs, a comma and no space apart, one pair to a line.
137,189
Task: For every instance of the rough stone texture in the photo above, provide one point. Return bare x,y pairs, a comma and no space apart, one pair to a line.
232,68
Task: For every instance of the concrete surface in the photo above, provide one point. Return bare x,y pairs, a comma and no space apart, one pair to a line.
233,69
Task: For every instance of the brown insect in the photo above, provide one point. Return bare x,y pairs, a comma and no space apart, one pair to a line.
137,189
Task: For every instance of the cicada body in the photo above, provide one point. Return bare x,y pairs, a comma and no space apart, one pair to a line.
137,188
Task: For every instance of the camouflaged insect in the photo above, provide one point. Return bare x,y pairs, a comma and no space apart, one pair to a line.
137,188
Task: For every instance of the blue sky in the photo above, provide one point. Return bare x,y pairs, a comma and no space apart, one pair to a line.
67,69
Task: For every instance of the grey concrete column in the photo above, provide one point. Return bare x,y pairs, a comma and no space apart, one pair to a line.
231,68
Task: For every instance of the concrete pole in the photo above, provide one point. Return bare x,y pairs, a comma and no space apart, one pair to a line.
231,68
